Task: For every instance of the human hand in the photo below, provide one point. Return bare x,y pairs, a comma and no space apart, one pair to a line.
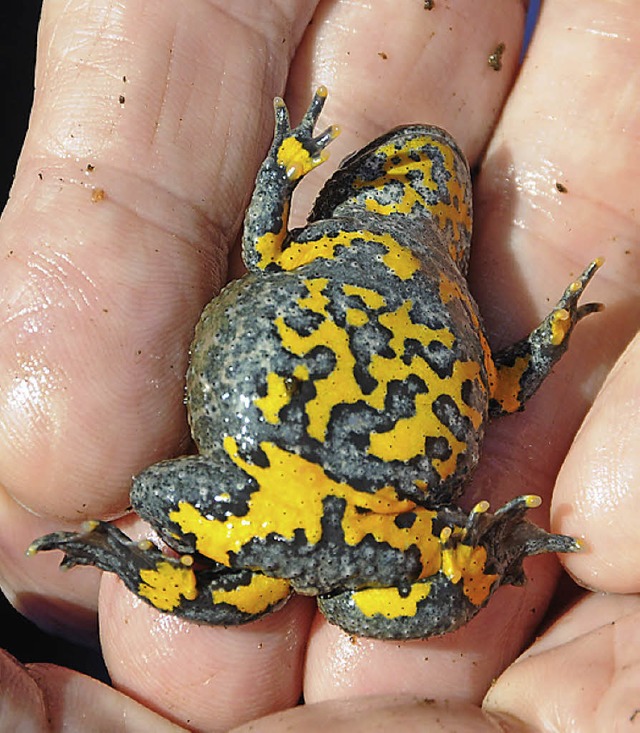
111,255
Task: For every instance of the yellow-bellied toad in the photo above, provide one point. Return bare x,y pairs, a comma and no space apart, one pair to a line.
338,395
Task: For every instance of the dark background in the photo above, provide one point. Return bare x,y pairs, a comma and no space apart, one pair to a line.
17,57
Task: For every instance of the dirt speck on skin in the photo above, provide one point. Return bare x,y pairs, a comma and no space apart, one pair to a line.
495,58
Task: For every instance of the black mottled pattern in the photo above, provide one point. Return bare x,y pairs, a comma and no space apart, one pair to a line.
242,346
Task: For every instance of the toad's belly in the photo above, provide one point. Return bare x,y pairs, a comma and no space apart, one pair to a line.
380,386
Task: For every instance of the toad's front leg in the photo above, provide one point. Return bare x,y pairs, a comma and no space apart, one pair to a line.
293,153
522,367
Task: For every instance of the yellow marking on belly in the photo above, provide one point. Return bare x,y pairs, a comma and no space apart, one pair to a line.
356,318
371,298
389,603
278,395
340,385
289,498
399,164
166,585
261,593
357,524
401,261
406,439
316,301
279,392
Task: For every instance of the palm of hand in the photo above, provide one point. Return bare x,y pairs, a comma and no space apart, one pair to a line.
162,174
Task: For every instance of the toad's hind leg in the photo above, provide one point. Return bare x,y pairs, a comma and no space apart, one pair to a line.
170,584
522,367
195,585
478,554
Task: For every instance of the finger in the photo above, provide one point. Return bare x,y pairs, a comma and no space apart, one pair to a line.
407,713
76,702
208,678
339,665
197,655
531,235
516,220
594,647
23,706
131,185
432,83
551,132
139,160
596,497
386,68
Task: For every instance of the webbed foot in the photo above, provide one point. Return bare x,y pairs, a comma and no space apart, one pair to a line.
169,584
